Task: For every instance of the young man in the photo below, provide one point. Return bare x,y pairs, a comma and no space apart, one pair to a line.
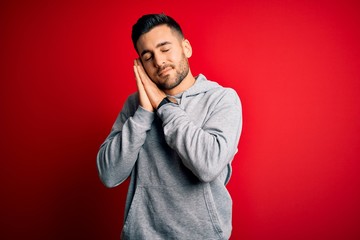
176,138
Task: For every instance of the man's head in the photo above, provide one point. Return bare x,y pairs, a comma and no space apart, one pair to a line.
163,50
149,21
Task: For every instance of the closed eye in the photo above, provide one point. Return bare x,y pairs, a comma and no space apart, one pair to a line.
147,57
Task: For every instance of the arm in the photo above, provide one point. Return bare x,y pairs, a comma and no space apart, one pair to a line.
205,150
118,154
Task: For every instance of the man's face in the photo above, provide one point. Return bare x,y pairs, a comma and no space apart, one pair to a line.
163,54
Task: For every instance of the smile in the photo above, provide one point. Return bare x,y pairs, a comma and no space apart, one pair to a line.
164,71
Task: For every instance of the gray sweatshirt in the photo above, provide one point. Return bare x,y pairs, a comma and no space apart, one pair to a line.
179,159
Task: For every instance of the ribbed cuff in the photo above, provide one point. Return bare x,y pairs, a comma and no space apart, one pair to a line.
143,117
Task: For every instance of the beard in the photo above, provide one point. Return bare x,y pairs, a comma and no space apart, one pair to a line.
167,82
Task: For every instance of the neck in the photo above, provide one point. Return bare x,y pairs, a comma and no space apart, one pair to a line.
186,83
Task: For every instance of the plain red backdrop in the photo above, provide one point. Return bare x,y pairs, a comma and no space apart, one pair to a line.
66,70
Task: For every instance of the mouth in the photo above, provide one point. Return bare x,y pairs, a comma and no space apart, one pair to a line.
164,71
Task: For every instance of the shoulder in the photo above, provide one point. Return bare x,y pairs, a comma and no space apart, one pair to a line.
225,94
130,105
231,94
133,99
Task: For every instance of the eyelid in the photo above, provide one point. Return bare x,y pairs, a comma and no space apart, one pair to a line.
147,57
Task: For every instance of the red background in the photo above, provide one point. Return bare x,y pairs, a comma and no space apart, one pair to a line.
66,70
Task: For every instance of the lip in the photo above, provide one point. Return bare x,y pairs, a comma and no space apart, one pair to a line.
164,71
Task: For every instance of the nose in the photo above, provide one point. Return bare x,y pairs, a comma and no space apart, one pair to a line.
159,60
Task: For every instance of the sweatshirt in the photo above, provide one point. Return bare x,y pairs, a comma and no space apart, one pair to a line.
179,162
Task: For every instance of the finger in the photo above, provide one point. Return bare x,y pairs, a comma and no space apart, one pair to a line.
141,72
143,98
138,78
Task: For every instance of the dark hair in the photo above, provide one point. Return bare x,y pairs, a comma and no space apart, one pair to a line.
149,21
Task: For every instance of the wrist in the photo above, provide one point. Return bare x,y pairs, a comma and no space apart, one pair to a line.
163,102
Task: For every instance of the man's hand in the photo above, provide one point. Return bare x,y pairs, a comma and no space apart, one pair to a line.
143,98
153,94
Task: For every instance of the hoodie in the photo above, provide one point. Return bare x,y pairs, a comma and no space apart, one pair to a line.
179,160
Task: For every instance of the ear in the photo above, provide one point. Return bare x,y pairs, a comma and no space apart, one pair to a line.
187,48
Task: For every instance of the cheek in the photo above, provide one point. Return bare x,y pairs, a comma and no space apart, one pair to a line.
149,69
176,56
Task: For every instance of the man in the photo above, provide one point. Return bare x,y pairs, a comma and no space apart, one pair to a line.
176,137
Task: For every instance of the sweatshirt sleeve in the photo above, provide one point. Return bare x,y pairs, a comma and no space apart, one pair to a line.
118,154
208,149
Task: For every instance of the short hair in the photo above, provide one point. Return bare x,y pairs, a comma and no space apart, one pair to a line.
149,21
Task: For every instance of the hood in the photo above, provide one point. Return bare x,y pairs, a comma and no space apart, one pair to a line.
202,84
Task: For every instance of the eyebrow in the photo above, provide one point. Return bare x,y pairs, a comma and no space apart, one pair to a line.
157,46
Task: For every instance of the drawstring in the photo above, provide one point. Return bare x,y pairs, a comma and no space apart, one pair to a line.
179,100
182,97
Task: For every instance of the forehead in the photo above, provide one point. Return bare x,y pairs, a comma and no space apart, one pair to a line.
155,36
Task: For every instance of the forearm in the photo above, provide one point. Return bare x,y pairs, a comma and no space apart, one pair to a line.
118,154
208,149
